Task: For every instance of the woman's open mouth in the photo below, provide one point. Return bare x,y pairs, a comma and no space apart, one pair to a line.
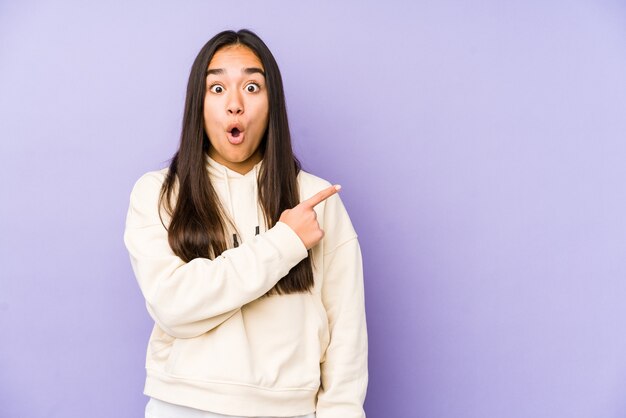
235,136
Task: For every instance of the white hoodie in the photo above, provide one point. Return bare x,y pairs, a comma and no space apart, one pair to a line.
215,345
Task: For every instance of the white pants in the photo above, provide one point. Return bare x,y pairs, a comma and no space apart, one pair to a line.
156,408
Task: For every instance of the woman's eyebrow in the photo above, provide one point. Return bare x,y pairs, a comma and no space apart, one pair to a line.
254,70
250,70
215,71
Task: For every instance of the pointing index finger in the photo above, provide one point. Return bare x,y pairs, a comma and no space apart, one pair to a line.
319,197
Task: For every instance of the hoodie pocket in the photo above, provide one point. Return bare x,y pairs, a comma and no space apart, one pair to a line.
160,346
274,343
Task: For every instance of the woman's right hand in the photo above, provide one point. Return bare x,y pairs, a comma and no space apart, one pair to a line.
303,219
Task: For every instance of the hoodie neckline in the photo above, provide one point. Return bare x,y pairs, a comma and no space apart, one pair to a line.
220,171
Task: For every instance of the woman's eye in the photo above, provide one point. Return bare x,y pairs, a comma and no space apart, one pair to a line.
216,88
252,88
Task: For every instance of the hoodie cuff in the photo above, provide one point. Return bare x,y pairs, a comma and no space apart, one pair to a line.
291,246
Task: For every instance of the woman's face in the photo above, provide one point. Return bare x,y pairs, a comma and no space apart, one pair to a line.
236,107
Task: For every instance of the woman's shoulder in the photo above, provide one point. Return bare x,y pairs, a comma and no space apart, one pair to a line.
147,189
310,183
332,213
144,199
150,180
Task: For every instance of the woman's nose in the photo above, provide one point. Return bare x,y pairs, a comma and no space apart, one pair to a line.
235,105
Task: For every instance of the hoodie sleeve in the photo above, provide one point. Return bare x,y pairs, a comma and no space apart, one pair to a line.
344,370
189,299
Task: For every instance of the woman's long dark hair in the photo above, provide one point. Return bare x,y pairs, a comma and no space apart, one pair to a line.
198,220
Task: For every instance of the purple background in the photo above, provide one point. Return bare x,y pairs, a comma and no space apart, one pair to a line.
481,146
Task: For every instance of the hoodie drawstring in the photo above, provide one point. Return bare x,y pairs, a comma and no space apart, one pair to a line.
231,207
256,197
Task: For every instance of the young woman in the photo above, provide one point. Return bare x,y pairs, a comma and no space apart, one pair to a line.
250,267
